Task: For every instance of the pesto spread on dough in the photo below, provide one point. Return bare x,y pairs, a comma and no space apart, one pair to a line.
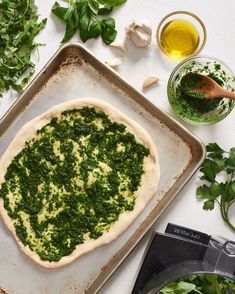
72,181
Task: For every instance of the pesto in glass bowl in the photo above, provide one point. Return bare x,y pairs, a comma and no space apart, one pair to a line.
201,111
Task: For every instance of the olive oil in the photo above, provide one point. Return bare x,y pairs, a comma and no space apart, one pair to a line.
179,38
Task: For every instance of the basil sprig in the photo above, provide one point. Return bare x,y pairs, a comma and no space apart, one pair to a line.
87,17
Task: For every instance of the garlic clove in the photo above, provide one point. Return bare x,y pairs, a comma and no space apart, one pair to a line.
115,62
150,81
118,46
145,25
140,38
140,34
131,27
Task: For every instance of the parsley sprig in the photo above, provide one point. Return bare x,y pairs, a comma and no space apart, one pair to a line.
87,17
18,27
218,171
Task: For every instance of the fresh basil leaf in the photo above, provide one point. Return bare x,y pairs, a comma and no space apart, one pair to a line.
79,4
178,288
84,22
80,14
214,282
115,3
204,283
59,11
70,27
108,33
95,29
70,17
76,19
109,22
103,2
105,10
94,6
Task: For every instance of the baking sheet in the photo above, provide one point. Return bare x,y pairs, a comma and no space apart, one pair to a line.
74,73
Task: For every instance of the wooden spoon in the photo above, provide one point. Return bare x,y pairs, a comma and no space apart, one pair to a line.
203,87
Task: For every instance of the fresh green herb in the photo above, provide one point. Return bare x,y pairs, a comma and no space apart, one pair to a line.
218,164
85,16
201,284
18,27
72,181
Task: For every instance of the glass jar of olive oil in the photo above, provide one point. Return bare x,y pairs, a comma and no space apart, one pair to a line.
181,34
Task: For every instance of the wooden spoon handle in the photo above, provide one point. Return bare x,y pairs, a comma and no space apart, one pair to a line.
229,94
224,93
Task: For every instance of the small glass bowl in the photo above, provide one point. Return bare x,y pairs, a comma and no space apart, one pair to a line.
201,111
191,18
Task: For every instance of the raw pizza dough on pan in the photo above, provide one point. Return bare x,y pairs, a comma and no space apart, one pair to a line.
90,169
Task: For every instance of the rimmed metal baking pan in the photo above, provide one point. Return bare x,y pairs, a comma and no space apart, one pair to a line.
74,72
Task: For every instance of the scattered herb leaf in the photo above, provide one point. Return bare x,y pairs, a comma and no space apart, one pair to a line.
18,27
84,15
218,164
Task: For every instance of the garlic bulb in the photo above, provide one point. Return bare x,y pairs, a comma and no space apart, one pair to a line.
140,33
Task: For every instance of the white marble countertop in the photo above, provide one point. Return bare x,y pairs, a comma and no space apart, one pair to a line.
219,19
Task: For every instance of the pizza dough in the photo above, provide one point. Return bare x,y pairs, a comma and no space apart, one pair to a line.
145,191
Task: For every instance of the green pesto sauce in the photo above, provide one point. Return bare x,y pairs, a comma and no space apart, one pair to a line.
189,84
195,106
72,181
200,109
